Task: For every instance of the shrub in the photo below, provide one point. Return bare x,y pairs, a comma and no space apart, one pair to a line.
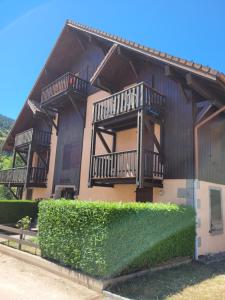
108,239
11,211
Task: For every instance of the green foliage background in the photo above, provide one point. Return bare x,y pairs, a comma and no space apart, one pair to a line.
109,239
11,211
5,158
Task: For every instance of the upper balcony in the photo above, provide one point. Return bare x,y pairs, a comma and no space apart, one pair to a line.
125,104
31,177
35,136
53,94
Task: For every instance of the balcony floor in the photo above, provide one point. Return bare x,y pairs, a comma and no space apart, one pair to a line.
58,101
120,122
148,182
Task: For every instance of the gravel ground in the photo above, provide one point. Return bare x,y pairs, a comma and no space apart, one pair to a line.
21,281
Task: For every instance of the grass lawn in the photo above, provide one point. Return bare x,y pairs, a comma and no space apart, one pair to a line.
193,281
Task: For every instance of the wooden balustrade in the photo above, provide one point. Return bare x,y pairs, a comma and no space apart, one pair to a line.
131,99
19,176
37,175
14,175
39,137
68,81
124,165
153,166
114,165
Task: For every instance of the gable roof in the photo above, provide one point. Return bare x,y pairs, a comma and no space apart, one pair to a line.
198,69
159,55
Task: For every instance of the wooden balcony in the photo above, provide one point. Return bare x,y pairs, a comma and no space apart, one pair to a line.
34,136
124,105
32,177
124,167
52,94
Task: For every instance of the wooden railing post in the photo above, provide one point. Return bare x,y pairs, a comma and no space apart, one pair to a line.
92,153
29,162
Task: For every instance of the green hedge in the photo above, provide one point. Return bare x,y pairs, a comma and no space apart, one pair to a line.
13,210
108,239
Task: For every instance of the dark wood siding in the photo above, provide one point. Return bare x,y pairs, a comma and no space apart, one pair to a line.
69,147
178,123
211,151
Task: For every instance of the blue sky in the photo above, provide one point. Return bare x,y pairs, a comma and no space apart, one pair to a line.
193,29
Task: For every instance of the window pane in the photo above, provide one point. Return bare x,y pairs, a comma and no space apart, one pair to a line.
216,210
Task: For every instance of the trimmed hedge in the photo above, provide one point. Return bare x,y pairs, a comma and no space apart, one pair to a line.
12,211
108,239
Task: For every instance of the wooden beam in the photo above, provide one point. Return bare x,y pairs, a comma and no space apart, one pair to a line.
21,156
155,140
202,104
12,192
103,141
29,163
103,184
128,60
42,159
202,112
196,144
74,104
173,74
50,119
202,89
169,72
106,131
104,85
92,152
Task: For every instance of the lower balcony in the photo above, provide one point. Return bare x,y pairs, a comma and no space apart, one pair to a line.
122,167
35,136
32,177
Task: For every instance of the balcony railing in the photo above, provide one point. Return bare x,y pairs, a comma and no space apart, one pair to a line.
131,99
20,176
68,81
38,137
124,165
153,166
14,176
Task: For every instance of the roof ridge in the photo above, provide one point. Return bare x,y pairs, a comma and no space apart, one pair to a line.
149,50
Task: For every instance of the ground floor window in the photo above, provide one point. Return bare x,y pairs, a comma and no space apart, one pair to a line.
216,216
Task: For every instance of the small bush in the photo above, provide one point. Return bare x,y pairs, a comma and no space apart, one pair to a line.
11,211
108,239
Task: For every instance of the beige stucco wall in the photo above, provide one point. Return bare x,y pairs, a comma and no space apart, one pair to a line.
177,191
207,242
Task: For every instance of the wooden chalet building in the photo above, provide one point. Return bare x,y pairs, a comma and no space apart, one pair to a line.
109,119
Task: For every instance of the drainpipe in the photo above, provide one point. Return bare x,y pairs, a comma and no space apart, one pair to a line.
197,127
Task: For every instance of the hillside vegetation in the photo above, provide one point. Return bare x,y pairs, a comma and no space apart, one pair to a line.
5,125
5,158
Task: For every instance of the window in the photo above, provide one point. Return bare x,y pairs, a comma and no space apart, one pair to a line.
216,222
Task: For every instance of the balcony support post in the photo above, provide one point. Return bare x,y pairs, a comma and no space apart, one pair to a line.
15,195
21,156
101,137
14,158
139,162
41,158
92,152
29,161
152,134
